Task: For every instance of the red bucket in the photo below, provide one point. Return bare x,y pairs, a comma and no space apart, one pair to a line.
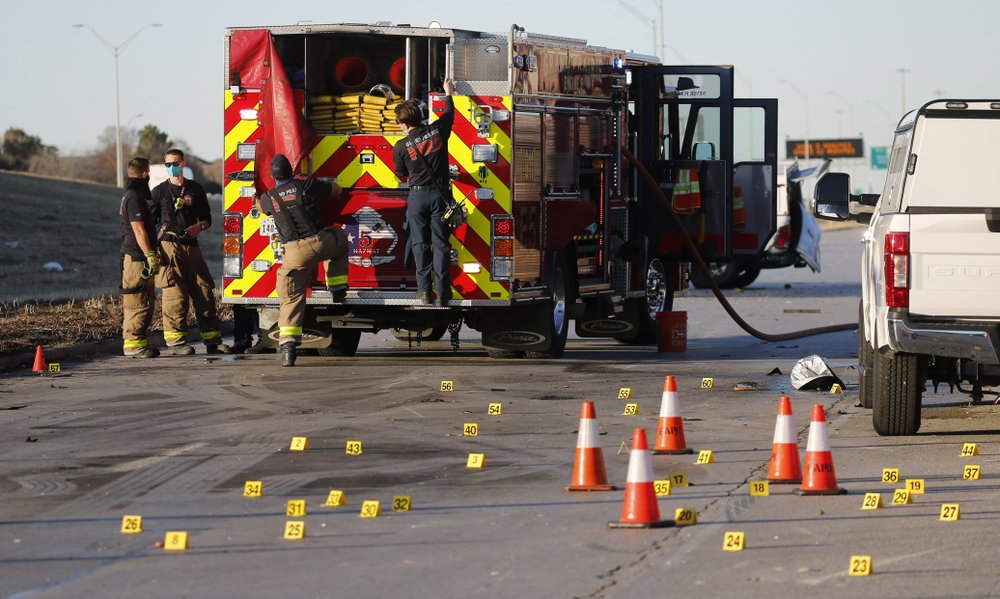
671,331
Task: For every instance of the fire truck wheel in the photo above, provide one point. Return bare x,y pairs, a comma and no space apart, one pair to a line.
343,343
428,334
558,320
642,312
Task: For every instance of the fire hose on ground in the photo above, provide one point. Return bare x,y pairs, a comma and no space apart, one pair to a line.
703,267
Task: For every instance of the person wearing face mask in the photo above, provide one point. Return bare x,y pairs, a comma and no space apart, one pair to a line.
183,214
140,261
293,205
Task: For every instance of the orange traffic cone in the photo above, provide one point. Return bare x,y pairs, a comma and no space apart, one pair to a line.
819,477
640,509
784,467
670,429
588,466
39,361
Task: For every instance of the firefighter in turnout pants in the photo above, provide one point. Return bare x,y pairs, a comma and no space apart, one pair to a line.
182,211
293,205
140,261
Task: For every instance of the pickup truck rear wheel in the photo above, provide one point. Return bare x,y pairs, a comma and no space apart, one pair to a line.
866,362
898,390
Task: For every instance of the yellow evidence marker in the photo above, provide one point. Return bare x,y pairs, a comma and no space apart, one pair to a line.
336,498
836,389
705,456
476,460
625,393
707,383
175,541
685,516
872,501
495,409
470,429
915,486
370,509
733,541
969,450
901,497
253,488
299,444
661,488
890,476
861,565
296,508
972,472
131,524
760,488
55,368
295,530
353,448
679,479
401,503
631,409
950,512
447,386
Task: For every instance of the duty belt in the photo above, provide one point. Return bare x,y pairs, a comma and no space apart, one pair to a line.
175,238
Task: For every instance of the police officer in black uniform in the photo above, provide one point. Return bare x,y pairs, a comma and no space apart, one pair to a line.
293,205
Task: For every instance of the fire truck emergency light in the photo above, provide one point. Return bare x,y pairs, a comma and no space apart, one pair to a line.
246,152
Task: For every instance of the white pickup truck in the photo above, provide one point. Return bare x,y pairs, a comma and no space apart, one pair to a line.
930,273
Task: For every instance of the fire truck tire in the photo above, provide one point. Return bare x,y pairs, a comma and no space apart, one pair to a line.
556,316
727,275
428,334
503,354
343,343
641,312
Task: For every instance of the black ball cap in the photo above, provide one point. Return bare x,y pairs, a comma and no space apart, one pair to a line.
281,169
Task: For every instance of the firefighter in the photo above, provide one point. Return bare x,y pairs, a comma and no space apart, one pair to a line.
140,261
422,156
183,214
293,204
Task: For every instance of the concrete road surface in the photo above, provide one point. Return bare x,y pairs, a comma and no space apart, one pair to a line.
175,439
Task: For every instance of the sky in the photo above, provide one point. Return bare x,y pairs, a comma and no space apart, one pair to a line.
58,81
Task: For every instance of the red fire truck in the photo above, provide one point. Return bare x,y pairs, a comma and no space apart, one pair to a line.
559,226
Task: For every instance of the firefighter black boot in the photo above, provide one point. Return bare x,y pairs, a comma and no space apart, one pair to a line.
288,353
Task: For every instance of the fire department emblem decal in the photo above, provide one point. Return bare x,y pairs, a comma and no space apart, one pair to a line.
371,239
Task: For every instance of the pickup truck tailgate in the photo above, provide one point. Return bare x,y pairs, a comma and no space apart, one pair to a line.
955,266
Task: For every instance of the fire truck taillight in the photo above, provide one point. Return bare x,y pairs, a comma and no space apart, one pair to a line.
897,270
232,224
502,248
232,245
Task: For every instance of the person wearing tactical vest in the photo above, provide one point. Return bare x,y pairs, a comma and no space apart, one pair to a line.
293,204
183,211
422,158
140,261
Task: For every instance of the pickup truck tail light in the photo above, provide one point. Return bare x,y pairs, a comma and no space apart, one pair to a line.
783,237
897,270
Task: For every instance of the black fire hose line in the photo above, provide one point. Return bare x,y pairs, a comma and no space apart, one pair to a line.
700,263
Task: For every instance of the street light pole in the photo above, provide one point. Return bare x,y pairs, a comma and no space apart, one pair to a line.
116,51
850,110
902,79
805,100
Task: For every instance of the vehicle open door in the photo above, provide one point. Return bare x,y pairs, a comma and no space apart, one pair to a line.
755,174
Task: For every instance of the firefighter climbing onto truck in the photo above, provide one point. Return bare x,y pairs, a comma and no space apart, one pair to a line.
293,206
558,225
